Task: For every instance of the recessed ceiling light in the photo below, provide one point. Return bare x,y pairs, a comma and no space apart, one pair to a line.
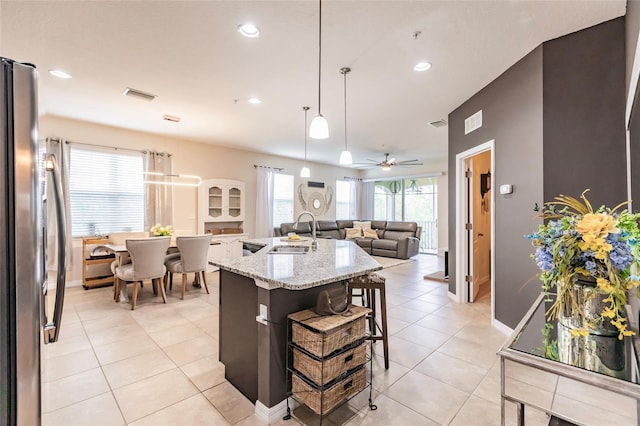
422,66
254,101
249,30
59,74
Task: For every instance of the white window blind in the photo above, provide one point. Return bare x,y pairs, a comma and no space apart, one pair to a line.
282,199
106,191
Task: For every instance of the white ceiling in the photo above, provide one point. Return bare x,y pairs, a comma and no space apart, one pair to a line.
190,55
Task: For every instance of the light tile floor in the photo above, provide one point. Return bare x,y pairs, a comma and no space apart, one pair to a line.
158,365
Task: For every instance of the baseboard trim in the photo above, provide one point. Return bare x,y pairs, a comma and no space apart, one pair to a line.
453,297
501,327
74,283
275,413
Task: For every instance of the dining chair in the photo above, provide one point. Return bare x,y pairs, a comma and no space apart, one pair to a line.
147,263
193,258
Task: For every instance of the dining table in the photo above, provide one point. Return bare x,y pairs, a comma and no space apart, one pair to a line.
121,253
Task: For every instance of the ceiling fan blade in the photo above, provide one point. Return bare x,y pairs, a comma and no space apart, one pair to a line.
391,160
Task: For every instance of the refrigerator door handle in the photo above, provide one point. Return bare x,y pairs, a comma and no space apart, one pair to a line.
52,328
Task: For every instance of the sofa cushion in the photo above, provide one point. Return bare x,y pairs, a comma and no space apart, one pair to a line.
378,224
353,233
326,225
344,224
370,233
402,227
364,243
391,245
362,224
328,229
304,228
396,235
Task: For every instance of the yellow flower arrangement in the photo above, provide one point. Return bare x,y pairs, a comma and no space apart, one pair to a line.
579,243
161,231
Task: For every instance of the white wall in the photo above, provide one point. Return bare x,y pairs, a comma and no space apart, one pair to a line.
205,160
215,161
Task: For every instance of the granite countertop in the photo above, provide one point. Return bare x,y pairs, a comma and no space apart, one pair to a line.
334,260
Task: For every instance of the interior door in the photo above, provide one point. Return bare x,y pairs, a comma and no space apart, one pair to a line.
472,236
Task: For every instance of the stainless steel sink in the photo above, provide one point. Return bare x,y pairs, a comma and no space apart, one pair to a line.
288,250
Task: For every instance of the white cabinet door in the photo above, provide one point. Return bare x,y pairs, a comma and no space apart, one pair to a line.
235,201
221,200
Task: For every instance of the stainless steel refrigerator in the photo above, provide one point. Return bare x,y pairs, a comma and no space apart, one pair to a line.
24,173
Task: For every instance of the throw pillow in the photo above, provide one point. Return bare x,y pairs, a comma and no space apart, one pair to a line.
362,225
370,233
353,233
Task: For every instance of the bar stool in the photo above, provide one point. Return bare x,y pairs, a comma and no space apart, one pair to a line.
369,284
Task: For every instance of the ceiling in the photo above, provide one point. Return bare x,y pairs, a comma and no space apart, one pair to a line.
190,55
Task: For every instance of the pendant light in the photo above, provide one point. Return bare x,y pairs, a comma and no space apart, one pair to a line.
305,173
345,157
319,128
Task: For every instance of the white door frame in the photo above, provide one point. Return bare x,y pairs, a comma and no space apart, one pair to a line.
461,239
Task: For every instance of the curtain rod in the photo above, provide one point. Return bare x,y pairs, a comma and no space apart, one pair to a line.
351,178
268,167
115,148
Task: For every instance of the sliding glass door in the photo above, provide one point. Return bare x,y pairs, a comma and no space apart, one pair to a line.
414,200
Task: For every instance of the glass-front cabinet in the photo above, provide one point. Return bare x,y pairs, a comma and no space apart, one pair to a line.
221,214
222,200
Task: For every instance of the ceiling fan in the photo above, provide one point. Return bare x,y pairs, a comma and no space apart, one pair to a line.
387,163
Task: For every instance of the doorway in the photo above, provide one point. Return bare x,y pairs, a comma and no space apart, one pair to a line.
475,224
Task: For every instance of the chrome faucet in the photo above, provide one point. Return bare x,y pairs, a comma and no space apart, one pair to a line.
314,244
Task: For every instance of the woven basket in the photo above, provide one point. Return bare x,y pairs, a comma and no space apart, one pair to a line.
322,344
322,402
322,372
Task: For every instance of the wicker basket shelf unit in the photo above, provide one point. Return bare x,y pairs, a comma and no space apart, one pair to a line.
326,359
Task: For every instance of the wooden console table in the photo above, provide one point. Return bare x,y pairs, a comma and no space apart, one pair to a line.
530,376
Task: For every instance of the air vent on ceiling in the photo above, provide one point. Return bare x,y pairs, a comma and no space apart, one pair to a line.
171,118
438,123
138,94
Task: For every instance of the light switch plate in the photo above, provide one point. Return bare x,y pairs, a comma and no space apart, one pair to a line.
506,189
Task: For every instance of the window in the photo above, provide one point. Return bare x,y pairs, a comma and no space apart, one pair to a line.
282,199
414,200
345,204
106,191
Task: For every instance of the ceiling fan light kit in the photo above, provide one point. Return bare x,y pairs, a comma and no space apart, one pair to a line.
387,163
319,127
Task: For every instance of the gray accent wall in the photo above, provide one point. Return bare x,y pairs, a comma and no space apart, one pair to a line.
632,27
557,118
584,100
512,116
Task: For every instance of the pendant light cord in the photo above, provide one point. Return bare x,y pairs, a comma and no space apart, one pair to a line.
319,53
305,108
345,110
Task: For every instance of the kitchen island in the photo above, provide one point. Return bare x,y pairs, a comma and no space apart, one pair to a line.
258,291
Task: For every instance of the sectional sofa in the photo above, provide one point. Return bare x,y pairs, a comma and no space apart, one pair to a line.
390,239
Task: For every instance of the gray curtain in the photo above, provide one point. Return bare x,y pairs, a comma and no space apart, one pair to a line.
367,200
60,149
158,196
264,203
